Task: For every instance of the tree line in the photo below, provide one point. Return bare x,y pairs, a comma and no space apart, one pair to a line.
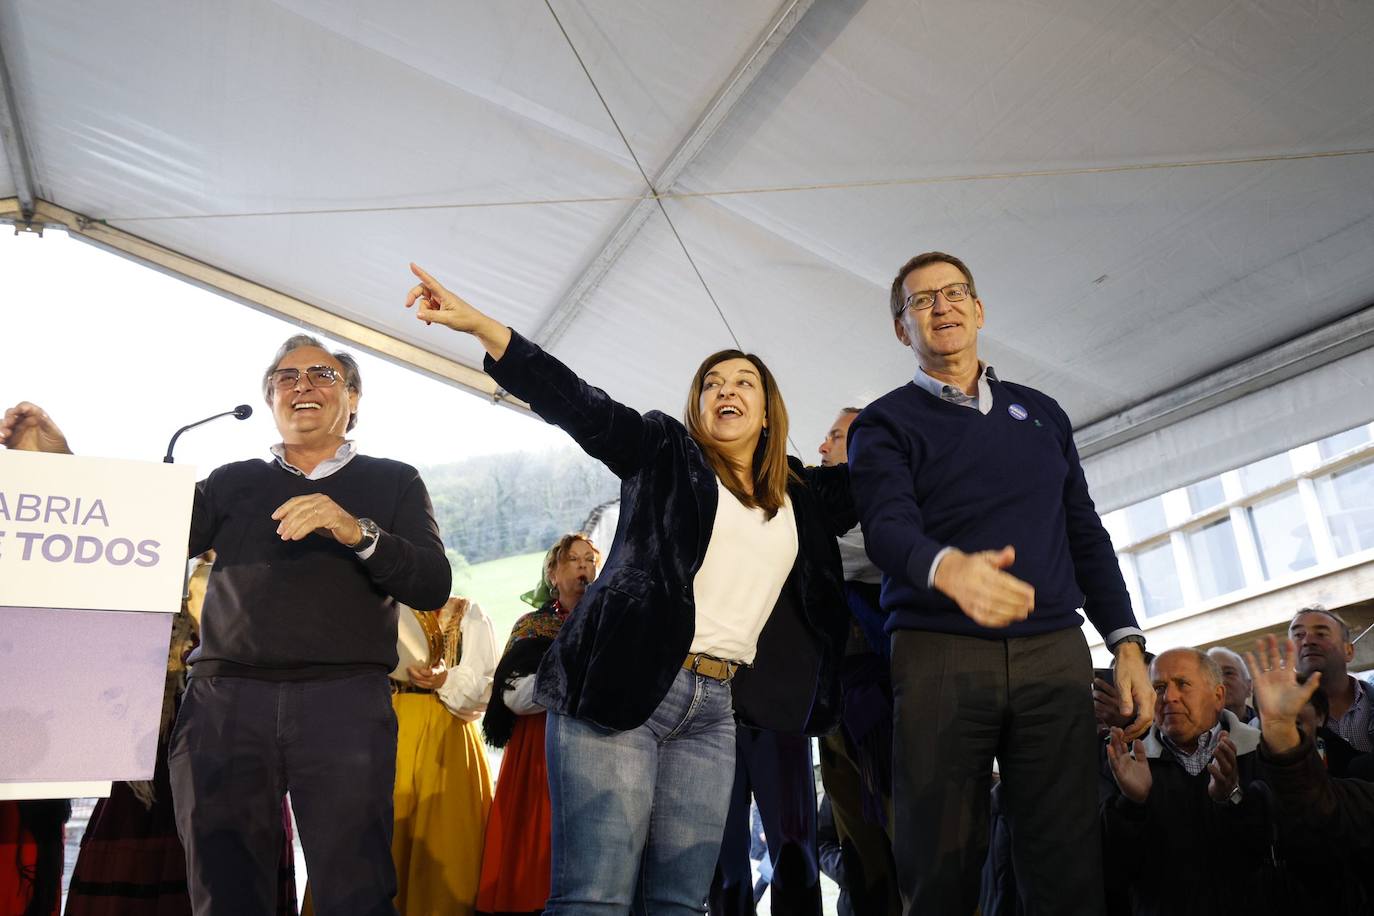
494,506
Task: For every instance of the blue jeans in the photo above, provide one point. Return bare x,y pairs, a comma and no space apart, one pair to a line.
638,815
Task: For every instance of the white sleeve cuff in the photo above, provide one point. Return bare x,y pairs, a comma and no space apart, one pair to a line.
1115,636
519,699
934,565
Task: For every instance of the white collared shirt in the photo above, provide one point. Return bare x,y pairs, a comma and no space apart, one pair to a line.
981,402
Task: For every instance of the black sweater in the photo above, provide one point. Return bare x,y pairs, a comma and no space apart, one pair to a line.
308,609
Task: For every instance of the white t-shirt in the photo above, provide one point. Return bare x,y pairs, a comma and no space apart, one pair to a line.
747,562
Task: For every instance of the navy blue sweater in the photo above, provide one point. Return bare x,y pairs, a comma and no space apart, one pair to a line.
927,474
311,609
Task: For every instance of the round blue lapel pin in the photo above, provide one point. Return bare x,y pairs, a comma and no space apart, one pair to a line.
1017,411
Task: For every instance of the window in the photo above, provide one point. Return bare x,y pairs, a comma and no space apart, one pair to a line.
1216,559
1146,518
1332,446
1347,500
1205,494
1282,535
1265,473
1159,587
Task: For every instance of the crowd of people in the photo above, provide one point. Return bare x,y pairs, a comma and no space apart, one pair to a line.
913,601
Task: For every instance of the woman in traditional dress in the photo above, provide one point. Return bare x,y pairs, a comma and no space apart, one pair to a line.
516,856
724,569
443,786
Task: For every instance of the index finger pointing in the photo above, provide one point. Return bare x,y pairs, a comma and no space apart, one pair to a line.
424,276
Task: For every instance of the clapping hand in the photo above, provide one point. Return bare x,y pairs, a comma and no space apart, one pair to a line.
1130,767
1278,694
1225,774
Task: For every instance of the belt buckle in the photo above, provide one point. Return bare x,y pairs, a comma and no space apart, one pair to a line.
726,674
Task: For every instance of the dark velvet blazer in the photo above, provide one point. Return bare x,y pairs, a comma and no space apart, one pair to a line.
614,660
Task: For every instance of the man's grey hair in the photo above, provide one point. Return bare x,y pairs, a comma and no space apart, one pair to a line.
1323,609
1240,660
353,379
1205,663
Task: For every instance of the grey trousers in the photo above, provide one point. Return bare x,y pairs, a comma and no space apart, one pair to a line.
960,701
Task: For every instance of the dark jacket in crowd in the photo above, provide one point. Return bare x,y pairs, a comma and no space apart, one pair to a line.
1326,830
615,659
1181,853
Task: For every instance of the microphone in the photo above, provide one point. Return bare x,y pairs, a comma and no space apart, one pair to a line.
241,412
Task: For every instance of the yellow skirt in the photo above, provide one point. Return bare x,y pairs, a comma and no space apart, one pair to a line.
443,794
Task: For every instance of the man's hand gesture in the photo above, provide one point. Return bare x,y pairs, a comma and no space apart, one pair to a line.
1279,696
301,516
1131,770
987,595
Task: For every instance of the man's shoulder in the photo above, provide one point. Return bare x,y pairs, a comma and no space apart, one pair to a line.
1026,391
238,470
899,400
387,466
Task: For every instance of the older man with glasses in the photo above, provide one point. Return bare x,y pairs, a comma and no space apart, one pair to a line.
288,689
974,506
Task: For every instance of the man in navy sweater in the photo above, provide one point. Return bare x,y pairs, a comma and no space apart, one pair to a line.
289,689
974,506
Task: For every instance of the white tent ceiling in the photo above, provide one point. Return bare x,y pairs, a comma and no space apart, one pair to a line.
1169,206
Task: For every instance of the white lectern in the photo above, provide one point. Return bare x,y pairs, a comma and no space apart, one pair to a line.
92,564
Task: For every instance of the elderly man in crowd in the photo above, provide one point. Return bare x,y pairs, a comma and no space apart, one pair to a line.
1184,835
1324,645
288,688
1235,677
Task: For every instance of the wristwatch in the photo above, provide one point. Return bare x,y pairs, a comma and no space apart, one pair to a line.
370,534
1138,640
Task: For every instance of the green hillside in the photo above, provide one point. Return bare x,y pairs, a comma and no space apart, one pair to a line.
497,586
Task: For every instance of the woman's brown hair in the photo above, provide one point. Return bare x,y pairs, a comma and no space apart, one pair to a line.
770,471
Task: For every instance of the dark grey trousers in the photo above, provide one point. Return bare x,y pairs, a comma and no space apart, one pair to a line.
240,744
959,702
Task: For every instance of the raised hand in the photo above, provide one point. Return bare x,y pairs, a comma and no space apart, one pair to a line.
987,595
1134,690
1225,773
315,513
1279,696
1131,770
435,303
26,427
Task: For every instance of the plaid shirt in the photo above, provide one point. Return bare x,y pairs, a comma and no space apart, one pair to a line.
1354,725
1197,761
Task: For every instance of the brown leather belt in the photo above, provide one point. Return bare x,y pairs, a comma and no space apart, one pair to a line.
717,669
403,687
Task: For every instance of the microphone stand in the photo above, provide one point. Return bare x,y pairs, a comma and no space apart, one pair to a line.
241,412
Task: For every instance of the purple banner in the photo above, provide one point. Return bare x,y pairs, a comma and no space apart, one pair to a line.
80,693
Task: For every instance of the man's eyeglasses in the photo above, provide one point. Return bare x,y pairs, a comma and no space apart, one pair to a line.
924,298
319,376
